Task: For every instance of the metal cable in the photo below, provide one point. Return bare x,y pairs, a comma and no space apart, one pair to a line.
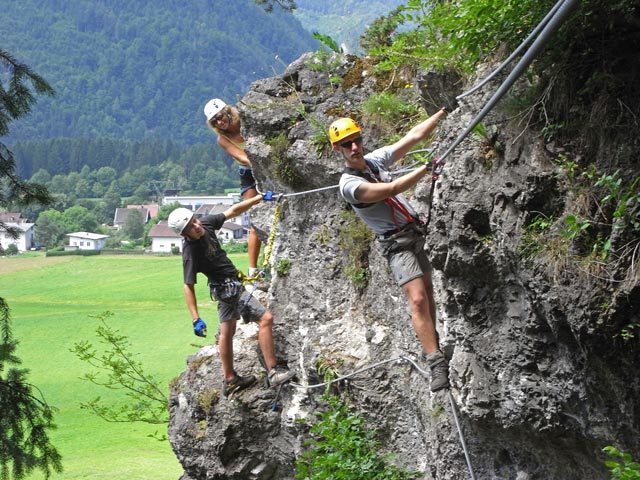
516,52
424,373
549,29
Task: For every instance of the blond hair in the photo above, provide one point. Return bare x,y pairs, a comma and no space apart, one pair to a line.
234,117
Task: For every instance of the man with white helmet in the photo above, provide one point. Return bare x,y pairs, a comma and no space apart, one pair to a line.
367,186
202,253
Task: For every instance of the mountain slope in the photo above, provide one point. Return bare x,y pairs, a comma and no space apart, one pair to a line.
142,69
343,20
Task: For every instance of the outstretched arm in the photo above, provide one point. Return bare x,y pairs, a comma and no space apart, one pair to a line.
417,134
241,207
376,192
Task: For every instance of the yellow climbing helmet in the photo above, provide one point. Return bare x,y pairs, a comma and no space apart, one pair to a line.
341,128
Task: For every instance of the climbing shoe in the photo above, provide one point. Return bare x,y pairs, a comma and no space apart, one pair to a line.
439,371
238,383
278,375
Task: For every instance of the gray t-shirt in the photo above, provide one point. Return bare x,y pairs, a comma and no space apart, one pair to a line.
380,216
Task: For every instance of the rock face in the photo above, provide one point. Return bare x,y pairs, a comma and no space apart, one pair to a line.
540,378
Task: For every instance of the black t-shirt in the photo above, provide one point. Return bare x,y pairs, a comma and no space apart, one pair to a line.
206,255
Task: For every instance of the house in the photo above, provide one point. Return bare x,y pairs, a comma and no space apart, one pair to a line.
213,208
153,209
193,202
25,231
9,217
120,217
85,241
163,239
232,231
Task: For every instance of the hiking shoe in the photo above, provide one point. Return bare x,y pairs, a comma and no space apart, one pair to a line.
279,374
439,371
237,383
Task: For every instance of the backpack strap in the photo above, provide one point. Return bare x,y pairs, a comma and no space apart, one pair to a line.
367,176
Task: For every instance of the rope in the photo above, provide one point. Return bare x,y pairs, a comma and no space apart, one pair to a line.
272,234
402,358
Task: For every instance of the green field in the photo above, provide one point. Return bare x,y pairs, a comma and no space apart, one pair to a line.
53,301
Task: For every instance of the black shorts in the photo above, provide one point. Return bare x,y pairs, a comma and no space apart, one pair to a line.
247,181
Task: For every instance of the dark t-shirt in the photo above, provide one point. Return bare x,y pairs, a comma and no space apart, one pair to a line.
206,255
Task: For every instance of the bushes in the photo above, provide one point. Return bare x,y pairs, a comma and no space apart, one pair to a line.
62,253
345,448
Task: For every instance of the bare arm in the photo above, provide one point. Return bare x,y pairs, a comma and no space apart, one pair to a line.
238,154
190,297
376,192
241,207
417,134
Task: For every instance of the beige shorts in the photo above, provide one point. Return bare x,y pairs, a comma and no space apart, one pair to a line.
406,256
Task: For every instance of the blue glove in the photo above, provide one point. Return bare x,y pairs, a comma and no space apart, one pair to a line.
199,327
267,196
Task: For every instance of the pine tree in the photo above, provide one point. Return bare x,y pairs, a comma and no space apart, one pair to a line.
25,416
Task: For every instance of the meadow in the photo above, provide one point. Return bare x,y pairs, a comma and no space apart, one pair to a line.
53,304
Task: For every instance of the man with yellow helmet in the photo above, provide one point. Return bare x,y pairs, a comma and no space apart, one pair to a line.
367,186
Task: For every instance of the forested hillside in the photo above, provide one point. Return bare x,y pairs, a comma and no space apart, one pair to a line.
143,69
131,78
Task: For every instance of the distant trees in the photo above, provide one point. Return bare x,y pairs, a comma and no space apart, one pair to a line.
26,417
134,224
269,4
52,225
140,72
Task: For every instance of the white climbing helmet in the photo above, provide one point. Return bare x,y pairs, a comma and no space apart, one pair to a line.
212,107
179,218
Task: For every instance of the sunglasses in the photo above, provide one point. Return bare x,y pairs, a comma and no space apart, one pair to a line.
348,143
217,117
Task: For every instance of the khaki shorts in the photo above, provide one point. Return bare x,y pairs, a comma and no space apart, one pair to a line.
248,307
406,256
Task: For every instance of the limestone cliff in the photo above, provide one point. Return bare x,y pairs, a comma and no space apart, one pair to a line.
539,371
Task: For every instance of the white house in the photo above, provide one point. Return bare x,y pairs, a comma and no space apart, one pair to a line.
86,241
163,239
212,208
26,235
193,202
232,231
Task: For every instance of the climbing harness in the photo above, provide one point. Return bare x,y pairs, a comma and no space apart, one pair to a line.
227,291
